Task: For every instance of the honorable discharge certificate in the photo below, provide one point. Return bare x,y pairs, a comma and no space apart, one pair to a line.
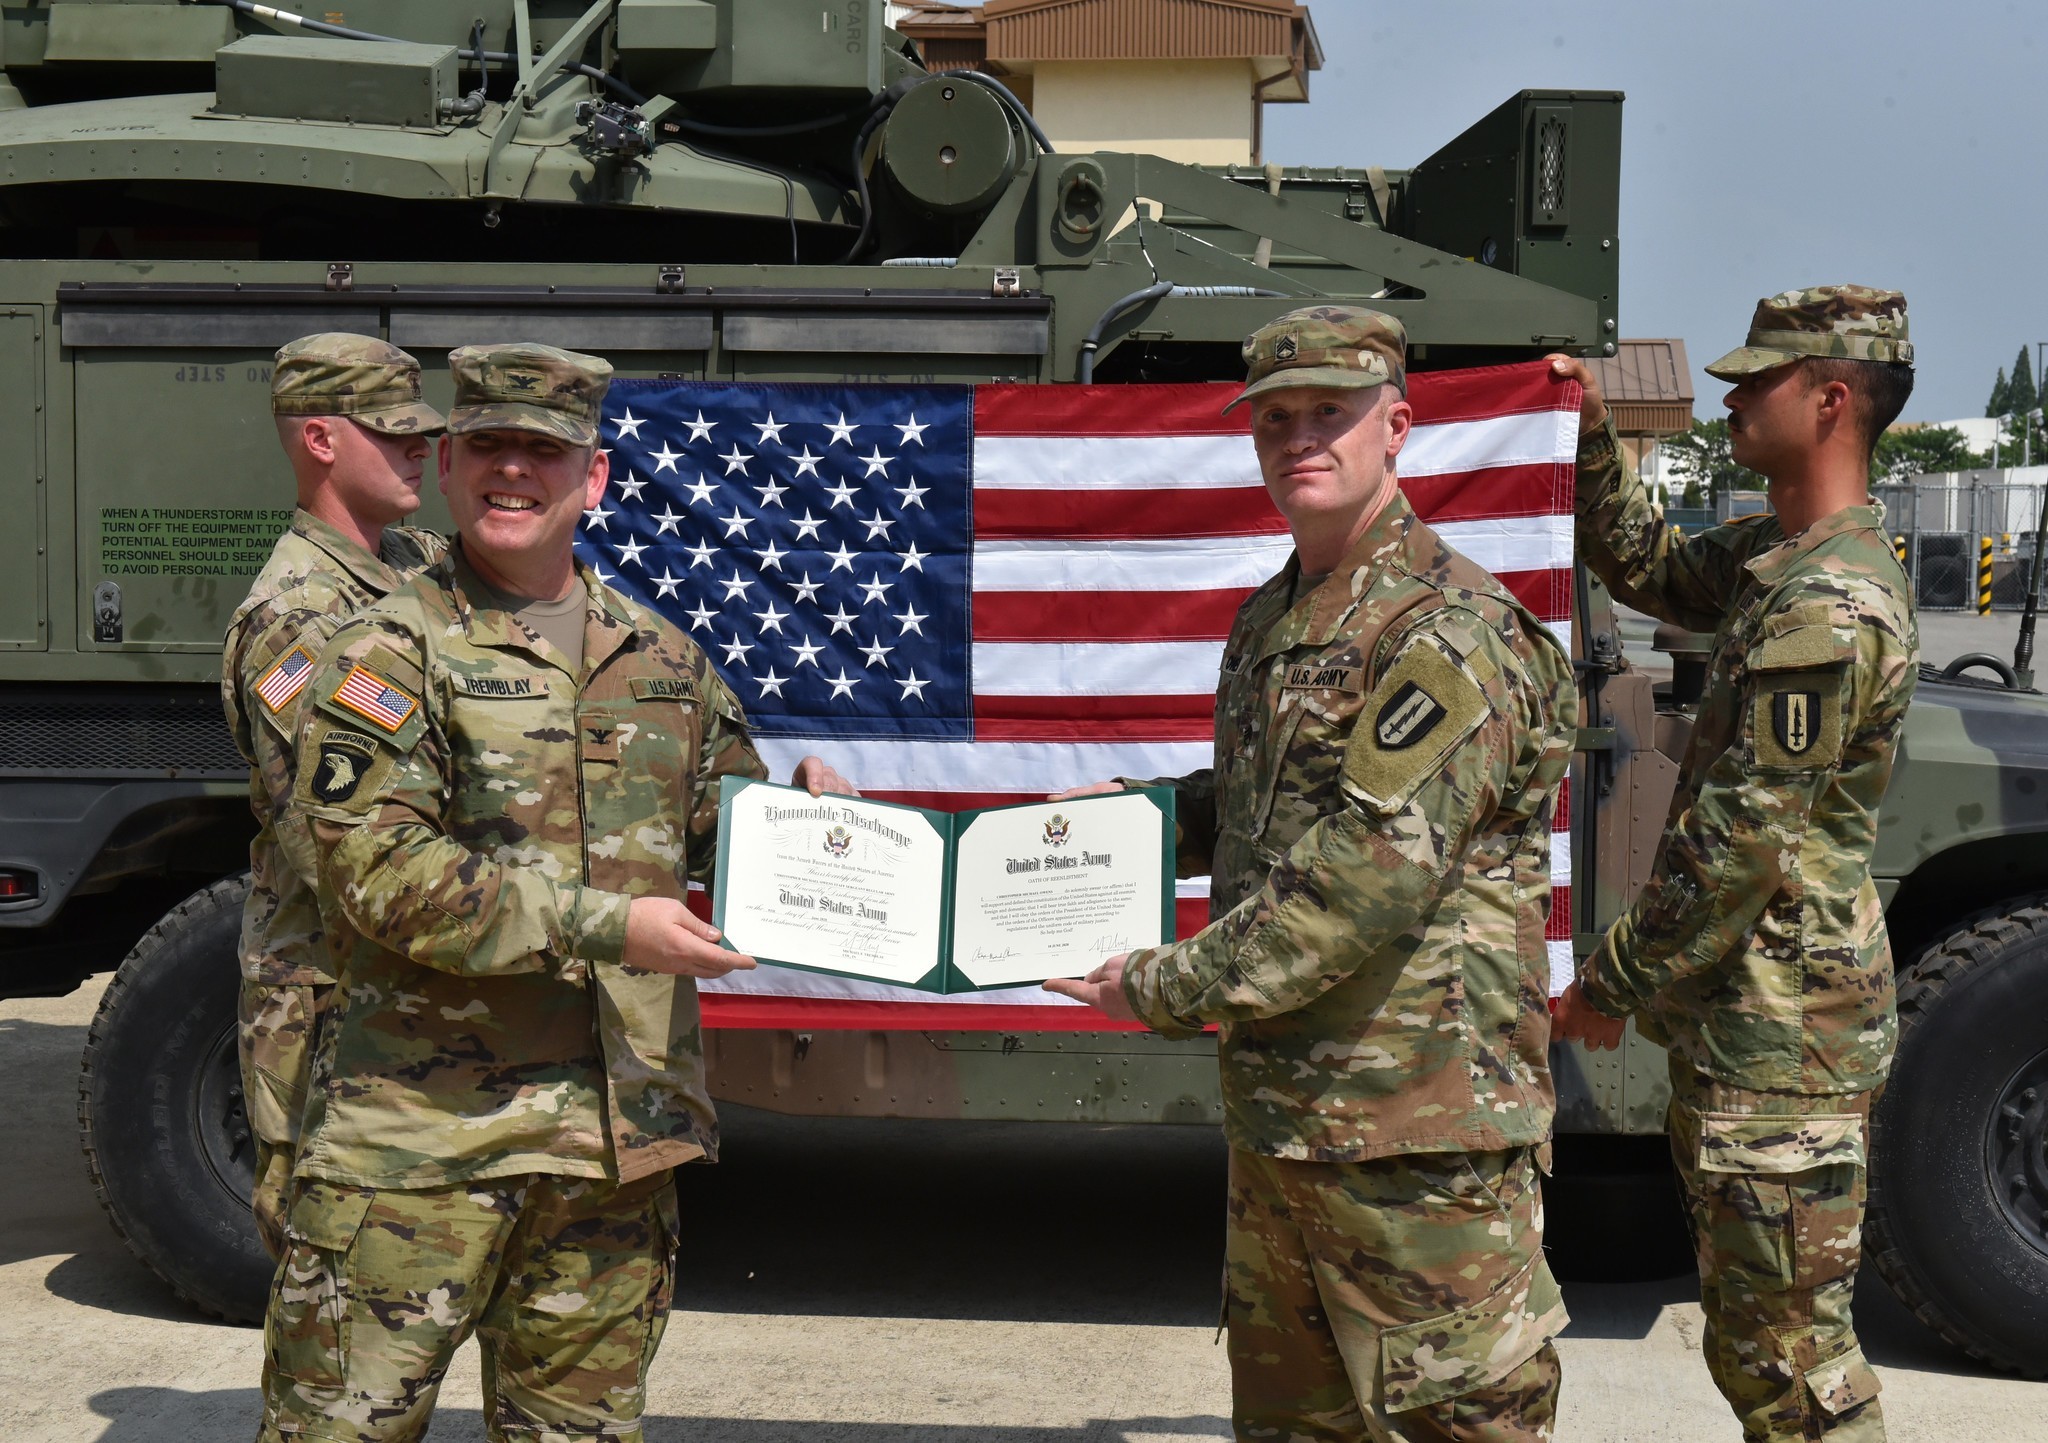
943,902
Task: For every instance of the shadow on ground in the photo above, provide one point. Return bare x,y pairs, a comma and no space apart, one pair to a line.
149,1415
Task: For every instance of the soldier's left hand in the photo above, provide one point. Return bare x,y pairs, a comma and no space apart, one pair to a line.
817,777
1102,989
1576,1020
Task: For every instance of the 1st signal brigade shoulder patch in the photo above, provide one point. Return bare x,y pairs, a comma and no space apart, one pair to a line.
1796,721
278,686
1423,708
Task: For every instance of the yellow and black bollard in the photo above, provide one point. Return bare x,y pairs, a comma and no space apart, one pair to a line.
1984,576
1899,547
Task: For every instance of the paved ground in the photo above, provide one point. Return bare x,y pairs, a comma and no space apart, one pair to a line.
855,1283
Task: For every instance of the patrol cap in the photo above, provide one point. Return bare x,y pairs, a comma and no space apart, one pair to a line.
1344,346
336,373
522,386
1851,323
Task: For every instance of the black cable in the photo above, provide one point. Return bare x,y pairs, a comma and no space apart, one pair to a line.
744,132
860,181
1092,342
1009,96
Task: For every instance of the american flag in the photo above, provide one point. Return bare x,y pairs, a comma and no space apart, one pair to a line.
963,596
285,680
368,695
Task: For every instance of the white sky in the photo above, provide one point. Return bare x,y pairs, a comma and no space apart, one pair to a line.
1764,146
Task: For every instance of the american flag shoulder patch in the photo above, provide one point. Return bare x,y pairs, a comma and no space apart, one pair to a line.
286,679
376,700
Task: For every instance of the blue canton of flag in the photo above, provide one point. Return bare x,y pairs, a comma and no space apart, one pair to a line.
814,540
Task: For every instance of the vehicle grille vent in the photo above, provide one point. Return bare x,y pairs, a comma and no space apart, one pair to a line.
182,735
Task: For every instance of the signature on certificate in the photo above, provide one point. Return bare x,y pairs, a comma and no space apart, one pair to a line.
1110,943
994,954
868,943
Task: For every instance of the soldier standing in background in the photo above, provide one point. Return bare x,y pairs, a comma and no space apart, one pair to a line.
510,774
353,426
1757,951
1392,728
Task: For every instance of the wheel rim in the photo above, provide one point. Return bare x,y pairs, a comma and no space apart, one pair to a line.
222,1119
2016,1151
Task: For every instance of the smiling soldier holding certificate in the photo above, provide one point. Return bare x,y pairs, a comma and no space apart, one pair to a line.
1392,728
509,771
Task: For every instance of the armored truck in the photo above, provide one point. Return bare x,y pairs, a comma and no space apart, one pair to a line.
782,190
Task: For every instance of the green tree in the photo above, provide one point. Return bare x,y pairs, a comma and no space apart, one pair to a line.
2001,390
1702,457
2022,397
1920,451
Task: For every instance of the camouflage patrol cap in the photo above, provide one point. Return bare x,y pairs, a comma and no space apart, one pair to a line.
522,386
336,373
1343,346
1852,323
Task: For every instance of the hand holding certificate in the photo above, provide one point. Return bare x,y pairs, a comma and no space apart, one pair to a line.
943,902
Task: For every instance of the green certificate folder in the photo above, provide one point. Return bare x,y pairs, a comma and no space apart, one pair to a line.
942,901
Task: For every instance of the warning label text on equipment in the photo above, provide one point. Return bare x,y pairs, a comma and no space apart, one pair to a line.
188,541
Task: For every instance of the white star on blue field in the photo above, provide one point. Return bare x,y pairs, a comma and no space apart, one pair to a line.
814,540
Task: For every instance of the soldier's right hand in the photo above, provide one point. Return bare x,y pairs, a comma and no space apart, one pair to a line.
1093,789
662,935
1592,404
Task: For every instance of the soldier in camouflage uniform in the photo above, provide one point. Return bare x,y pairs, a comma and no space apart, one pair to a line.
510,775
1757,952
1391,730
352,423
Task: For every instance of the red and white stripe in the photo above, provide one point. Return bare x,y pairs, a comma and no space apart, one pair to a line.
1116,531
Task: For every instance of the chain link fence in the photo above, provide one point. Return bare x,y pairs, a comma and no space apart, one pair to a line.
1966,538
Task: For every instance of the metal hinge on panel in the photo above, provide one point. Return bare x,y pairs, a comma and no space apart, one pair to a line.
1008,283
341,276
669,280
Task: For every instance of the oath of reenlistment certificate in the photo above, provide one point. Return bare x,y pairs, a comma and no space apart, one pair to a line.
943,902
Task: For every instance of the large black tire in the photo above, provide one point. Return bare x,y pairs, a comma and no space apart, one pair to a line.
160,1112
1958,1221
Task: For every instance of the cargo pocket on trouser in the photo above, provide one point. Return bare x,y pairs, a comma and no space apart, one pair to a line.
1779,1207
305,1329
1448,1356
662,1296
1842,1383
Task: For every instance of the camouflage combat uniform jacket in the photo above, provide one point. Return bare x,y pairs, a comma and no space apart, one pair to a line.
483,819
316,579
1377,827
1757,951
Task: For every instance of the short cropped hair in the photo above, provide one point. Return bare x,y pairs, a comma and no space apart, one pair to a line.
1878,391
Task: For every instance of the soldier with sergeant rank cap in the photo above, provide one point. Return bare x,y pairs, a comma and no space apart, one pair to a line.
1756,953
1392,730
509,775
353,426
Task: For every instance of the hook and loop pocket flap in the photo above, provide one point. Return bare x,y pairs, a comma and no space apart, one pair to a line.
1750,1142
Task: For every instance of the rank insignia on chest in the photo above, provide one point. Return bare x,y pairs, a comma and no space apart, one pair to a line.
376,700
1409,715
1795,720
286,679
345,759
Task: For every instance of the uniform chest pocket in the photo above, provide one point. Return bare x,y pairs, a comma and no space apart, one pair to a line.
645,738
1315,702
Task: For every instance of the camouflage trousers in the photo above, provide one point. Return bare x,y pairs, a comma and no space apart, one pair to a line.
1404,1298
1774,1188
278,1027
565,1281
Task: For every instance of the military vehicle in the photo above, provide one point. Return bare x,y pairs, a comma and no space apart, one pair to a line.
779,190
